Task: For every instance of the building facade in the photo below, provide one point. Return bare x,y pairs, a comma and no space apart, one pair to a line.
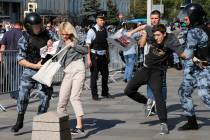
11,9
63,8
76,7
72,8
122,5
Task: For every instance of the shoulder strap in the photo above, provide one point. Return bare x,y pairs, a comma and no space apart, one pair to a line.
204,53
61,53
59,46
26,36
94,29
106,32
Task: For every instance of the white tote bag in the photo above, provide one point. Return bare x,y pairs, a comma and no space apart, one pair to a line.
48,70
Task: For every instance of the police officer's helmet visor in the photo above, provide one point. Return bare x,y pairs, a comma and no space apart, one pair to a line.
195,12
32,19
36,26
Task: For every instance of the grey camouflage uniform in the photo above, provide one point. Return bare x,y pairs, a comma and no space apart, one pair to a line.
193,76
27,83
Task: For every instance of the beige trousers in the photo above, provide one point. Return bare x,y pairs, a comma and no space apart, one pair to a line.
71,88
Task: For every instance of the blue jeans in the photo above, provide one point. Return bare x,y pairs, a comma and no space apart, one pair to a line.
164,89
129,65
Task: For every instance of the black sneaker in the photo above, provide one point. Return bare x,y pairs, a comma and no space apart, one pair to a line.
178,66
108,97
188,126
76,131
125,80
96,98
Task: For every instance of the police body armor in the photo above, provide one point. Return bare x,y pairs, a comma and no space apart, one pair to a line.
100,42
35,42
203,53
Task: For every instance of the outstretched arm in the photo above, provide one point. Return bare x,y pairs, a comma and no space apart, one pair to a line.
139,28
143,39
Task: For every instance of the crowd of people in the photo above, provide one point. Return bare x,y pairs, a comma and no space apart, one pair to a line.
186,41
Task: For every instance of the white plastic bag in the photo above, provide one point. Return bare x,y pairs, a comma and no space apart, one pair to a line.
46,50
121,41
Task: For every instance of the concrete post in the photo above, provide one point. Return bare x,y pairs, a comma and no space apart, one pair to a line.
51,126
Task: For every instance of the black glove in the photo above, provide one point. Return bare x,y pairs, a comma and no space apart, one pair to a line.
48,56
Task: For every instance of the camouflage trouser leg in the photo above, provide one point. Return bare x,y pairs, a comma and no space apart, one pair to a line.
26,84
175,58
203,85
44,95
185,91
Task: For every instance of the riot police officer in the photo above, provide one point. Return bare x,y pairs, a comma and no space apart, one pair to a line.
98,56
29,57
196,70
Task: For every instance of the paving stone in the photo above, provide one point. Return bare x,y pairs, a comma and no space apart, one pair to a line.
45,135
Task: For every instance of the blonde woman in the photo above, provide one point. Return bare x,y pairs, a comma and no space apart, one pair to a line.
74,69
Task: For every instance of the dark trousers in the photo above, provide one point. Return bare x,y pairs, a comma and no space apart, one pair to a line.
99,64
154,78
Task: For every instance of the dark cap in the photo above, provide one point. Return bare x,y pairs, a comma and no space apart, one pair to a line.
101,14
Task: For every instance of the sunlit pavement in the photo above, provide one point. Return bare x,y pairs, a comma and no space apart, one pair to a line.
116,119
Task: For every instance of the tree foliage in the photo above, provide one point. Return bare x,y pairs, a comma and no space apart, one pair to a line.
90,7
138,8
112,12
171,8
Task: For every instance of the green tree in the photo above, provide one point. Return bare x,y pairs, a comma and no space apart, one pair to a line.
112,12
171,9
138,8
90,7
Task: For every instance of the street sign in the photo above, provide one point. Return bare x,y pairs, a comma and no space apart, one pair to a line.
32,7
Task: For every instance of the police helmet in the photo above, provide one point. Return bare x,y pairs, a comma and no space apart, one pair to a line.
196,14
32,19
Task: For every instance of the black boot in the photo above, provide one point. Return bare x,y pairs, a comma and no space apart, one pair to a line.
19,123
178,66
190,125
